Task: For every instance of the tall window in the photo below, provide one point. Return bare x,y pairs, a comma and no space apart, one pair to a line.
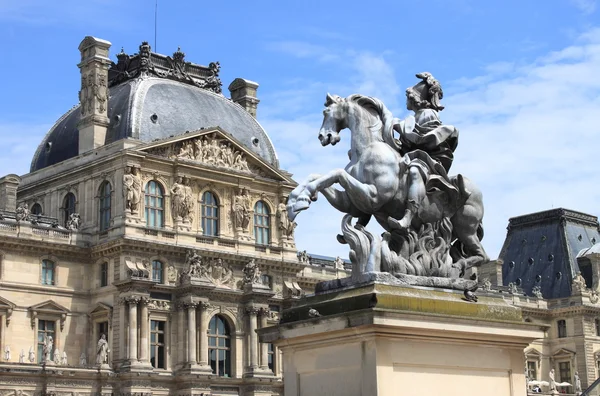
68,207
103,274
157,344
36,209
46,328
564,370
219,346
267,280
562,328
103,329
532,370
261,223
48,272
105,196
210,214
271,352
155,204
157,271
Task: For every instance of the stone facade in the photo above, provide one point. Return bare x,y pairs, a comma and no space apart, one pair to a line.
124,269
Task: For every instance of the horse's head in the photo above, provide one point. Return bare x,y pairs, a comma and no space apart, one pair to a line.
334,120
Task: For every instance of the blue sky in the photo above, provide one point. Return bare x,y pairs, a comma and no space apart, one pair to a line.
520,80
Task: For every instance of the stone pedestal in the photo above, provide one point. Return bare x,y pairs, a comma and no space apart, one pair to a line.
378,339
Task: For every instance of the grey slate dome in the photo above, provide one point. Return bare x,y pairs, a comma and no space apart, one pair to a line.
148,102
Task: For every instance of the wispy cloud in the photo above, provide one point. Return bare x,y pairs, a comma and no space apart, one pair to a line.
585,6
19,142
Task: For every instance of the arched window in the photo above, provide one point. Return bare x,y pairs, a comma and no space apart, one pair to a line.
155,204
68,207
219,346
105,197
157,271
36,209
210,214
261,223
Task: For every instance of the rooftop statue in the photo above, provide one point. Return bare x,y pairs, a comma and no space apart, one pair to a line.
398,173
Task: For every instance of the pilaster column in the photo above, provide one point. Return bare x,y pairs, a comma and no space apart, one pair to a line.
144,343
252,336
203,359
191,314
181,351
133,301
264,347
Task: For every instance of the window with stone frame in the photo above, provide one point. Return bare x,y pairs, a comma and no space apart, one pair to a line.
157,344
158,271
532,370
36,209
219,346
564,371
210,214
262,227
104,207
271,356
102,329
69,207
45,330
267,280
562,328
48,274
104,274
154,203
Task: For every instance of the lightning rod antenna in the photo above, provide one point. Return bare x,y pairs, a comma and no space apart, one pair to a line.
155,23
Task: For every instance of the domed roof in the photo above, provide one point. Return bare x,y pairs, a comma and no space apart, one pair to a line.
150,108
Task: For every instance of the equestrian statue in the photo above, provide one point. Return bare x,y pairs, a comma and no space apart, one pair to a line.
398,174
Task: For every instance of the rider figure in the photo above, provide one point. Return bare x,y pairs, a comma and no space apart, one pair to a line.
427,145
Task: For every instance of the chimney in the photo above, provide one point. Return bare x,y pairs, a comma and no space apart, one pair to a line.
93,96
8,192
243,92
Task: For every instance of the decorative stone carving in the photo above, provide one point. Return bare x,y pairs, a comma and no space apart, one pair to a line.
22,212
408,161
74,222
486,285
241,210
537,291
46,349
208,150
215,271
82,359
161,305
338,263
512,288
303,257
251,273
64,360
285,226
31,356
172,275
93,94
57,359
7,353
578,284
132,185
22,356
594,297
196,268
102,351
182,200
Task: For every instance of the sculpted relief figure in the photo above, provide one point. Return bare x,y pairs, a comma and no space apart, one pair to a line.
46,349
74,222
178,198
578,284
286,227
251,273
31,356
102,350
241,210
131,186
398,174
22,212
188,200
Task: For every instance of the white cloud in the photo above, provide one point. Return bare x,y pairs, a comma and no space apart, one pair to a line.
529,137
19,142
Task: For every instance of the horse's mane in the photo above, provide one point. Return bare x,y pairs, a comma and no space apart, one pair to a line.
385,115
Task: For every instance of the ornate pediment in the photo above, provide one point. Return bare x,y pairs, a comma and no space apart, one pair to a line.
214,149
532,353
563,353
100,309
48,308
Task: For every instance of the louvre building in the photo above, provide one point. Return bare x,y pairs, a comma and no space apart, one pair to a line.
149,240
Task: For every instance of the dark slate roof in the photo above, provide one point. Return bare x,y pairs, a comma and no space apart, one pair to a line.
541,250
165,99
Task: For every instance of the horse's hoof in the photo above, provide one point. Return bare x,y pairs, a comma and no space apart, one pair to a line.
340,238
